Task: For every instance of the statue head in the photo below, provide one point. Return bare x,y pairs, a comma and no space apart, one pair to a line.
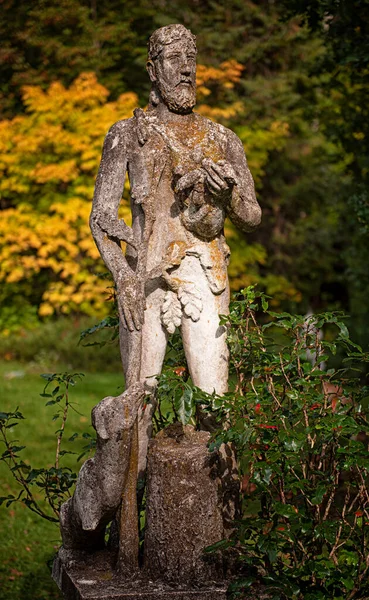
172,68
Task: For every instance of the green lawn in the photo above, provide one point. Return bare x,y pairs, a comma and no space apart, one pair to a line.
28,542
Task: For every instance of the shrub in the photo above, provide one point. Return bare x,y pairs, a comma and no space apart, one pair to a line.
301,433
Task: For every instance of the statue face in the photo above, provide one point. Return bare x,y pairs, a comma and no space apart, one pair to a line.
175,70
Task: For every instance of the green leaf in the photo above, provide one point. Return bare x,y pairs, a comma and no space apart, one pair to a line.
264,304
183,406
284,510
4,498
221,545
348,583
319,495
15,449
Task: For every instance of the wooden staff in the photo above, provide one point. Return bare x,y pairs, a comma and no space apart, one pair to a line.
128,526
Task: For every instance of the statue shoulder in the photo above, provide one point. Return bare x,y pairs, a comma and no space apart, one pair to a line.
121,130
229,135
218,131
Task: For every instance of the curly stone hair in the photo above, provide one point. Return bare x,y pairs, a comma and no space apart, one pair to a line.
166,35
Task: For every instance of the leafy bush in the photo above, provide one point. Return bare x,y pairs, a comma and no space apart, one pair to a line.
301,433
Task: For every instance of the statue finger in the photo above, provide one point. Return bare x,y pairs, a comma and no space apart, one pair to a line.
216,177
188,180
225,171
137,317
142,309
214,169
218,170
128,319
182,184
229,173
212,185
215,182
121,316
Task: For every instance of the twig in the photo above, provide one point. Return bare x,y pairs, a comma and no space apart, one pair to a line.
62,427
20,479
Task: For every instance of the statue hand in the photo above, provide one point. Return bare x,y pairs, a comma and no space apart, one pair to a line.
131,302
189,180
115,227
220,178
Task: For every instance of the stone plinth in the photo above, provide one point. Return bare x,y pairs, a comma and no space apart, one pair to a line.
93,578
184,511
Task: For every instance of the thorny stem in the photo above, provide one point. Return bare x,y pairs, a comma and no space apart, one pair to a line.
301,489
322,456
283,371
306,421
281,489
62,427
263,348
363,484
333,493
50,501
253,387
354,501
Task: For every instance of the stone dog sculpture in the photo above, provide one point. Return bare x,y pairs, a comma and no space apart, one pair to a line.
186,174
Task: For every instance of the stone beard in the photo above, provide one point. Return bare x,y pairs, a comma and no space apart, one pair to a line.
180,97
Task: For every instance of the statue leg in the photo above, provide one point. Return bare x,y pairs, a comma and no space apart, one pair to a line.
204,341
154,342
207,356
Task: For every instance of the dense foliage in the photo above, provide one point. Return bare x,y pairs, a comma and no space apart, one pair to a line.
301,432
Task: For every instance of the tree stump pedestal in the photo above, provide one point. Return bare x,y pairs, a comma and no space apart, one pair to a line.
184,515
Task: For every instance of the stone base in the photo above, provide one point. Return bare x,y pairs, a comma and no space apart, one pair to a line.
86,577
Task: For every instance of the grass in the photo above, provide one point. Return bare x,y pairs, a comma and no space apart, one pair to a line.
57,343
28,543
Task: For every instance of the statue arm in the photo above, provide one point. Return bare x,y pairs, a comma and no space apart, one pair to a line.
109,231
243,208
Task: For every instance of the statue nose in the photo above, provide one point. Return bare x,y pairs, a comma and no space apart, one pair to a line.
186,69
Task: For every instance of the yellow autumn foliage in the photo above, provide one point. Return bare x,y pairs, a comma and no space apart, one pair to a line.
227,74
48,163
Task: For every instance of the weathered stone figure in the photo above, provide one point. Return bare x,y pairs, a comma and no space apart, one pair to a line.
186,175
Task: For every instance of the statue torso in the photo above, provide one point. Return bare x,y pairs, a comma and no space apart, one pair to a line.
173,149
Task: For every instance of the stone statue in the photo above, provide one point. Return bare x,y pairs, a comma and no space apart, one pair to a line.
186,175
